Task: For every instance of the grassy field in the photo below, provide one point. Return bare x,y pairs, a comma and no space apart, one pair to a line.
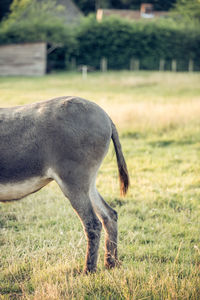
42,244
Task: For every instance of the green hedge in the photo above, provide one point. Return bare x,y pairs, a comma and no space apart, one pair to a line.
116,39
120,40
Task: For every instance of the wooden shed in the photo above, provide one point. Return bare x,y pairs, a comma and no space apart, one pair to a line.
29,59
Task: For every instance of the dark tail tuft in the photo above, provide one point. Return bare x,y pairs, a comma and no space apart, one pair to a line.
123,171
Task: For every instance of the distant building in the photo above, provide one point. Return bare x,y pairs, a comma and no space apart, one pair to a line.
27,59
30,59
146,11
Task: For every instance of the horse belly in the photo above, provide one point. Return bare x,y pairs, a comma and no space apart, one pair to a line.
17,190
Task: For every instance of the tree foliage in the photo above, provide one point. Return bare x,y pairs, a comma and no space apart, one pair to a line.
34,11
4,8
31,20
189,10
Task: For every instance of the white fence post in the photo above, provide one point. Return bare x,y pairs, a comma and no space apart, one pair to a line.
84,72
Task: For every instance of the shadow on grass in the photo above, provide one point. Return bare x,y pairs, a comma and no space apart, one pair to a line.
116,202
167,143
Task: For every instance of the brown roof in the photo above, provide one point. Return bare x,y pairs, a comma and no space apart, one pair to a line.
128,14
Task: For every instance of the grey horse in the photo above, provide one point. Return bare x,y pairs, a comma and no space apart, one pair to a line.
63,139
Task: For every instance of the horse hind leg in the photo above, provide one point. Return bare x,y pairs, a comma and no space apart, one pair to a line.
80,201
108,216
92,227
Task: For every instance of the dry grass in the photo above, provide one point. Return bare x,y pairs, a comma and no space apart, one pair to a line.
154,115
132,100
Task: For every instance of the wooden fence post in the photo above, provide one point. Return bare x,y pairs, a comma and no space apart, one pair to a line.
134,64
162,65
191,65
104,64
174,65
73,64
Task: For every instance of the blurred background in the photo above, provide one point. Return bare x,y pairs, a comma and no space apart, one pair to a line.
39,36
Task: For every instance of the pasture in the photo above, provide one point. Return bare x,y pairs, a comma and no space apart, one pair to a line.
42,244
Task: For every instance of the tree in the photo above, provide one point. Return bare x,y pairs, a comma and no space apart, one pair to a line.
4,8
187,9
34,11
33,20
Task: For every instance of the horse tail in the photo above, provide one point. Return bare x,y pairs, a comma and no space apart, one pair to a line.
122,167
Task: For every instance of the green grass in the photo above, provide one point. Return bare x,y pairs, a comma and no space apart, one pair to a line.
42,244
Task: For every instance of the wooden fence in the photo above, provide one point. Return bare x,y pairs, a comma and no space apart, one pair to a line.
136,64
